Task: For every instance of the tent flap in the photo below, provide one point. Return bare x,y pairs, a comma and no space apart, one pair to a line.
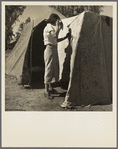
90,78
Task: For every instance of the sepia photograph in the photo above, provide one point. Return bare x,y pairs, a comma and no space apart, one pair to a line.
58,58
59,74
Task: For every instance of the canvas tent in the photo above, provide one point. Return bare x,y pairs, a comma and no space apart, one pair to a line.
90,79
27,55
85,59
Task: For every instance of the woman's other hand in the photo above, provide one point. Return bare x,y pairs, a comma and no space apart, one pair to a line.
68,35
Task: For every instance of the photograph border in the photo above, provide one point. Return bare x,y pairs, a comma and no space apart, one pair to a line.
12,121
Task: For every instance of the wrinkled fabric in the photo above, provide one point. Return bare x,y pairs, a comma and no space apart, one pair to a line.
48,38
51,64
66,46
15,61
91,62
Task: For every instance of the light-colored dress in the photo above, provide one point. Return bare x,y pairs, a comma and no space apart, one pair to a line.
50,56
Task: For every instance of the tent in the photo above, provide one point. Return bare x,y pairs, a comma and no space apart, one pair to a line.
90,80
27,55
85,59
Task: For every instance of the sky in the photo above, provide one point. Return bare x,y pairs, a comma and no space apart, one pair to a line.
107,10
35,11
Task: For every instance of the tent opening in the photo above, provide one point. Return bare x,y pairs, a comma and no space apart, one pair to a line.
38,46
36,55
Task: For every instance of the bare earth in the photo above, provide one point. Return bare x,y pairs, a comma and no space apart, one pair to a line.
18,98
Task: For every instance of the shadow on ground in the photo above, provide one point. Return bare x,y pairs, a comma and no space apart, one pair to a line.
17,98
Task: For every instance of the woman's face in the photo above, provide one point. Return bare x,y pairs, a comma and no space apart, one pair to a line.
58,22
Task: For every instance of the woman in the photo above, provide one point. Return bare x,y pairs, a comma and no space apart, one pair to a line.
51,31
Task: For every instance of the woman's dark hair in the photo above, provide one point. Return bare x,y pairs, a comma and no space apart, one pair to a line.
53,18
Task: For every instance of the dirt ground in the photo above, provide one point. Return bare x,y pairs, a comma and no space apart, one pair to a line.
18,98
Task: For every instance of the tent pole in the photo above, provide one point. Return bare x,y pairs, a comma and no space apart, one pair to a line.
31,54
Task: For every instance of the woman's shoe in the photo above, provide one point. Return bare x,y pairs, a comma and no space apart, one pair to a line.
53,91
65,104
48,96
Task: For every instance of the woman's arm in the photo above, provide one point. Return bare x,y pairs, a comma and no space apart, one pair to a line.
55,32
61,39
67,36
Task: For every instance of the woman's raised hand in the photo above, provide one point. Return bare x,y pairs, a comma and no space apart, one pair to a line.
68,35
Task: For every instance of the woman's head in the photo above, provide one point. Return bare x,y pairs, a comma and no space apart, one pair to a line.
53,18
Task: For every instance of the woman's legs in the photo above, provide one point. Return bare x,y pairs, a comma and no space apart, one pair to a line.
51,68
47,92
46,88
50,87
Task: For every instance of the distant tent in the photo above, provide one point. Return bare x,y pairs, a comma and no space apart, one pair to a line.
85,59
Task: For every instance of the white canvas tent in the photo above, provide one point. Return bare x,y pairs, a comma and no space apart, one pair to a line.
19,63
90,80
